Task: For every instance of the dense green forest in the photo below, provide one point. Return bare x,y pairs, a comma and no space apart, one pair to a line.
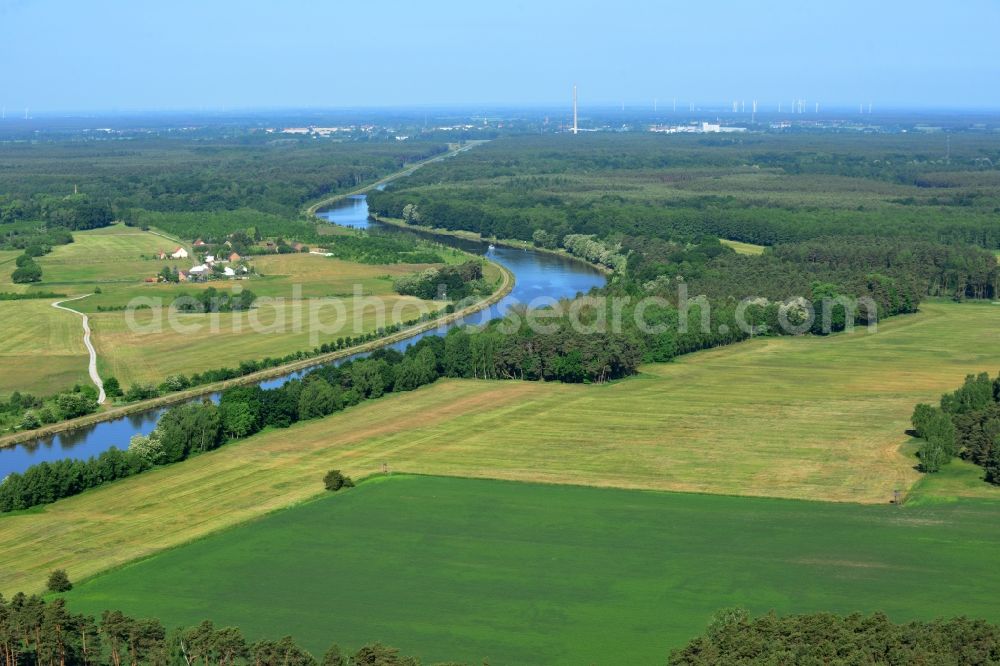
275,177
737,639
764,189
191,188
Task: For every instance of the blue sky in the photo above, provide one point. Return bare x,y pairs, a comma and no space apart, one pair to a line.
58,55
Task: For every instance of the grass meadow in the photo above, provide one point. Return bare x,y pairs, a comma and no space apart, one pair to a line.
743,248
226,339
800,418
42,350
466,570
7,266
107,255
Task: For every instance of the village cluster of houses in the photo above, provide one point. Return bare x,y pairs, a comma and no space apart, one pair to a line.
206,268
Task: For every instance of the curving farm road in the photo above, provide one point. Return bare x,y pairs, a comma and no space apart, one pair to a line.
96,378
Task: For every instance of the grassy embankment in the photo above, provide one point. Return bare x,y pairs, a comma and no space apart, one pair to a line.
802,418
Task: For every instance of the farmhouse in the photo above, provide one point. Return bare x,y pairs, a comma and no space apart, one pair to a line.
179,253
234,257
162,255
199,243
228,272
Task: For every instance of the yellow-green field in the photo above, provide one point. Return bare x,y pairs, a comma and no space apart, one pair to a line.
45,356
189,343
804,418
7,266
743,248
42,350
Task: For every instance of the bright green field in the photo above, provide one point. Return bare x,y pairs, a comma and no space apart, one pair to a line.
525,573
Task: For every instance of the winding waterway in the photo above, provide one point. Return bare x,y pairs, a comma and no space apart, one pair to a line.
537,276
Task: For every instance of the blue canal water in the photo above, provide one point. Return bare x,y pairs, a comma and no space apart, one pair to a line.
537,276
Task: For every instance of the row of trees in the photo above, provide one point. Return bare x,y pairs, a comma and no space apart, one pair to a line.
215,300
46,633
47,482
737,638
512,349
965,424
30,296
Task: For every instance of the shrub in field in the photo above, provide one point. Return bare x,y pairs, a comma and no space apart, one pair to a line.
59,581
334,481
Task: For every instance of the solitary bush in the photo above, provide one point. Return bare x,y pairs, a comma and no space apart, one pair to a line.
112,388
29,421
334,481
59,581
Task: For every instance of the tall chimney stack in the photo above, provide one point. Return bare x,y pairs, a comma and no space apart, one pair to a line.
574,109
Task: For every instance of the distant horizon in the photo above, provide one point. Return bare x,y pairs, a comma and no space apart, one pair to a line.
637,108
